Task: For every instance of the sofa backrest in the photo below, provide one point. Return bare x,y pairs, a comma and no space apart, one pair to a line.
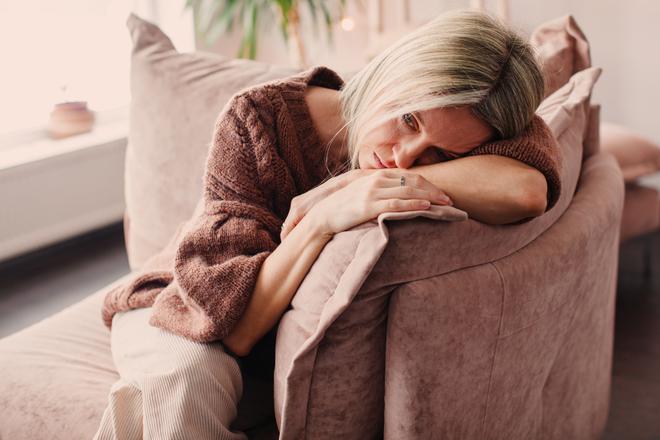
516,348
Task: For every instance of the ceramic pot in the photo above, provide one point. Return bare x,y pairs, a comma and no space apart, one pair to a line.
70,118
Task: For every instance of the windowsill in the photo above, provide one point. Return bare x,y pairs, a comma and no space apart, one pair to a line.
36,146
58,189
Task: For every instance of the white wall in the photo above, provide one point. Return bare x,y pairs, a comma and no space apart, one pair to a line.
624,36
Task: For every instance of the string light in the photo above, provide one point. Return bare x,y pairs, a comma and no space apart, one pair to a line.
347,24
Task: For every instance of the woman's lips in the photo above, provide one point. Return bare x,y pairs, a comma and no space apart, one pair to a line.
379,164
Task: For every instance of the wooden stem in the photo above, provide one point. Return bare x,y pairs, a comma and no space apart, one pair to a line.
296,45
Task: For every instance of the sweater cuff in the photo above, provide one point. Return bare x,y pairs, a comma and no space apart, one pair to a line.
536,147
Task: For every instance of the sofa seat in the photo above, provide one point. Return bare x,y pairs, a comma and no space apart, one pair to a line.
56,375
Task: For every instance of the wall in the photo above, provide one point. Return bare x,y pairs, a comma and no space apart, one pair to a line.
623,37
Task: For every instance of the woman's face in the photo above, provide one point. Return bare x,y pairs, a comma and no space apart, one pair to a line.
424,137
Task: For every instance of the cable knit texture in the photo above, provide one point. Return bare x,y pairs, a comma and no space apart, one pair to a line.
265,151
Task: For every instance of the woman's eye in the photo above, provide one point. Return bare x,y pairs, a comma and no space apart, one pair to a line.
409,120
443,155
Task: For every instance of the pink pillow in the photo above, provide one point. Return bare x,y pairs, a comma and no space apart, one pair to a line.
637,155
562,49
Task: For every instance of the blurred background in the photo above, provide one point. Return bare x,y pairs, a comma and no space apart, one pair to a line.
78,49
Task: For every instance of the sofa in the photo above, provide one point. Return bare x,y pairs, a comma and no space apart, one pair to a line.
406,327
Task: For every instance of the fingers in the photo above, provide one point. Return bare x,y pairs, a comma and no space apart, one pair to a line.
284,232
410,192
287,227
387,205
392,180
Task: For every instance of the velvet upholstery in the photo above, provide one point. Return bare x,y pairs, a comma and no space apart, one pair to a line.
55,375
507,349
562,49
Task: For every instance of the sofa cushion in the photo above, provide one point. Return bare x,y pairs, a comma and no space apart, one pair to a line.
56,374
331,347
175,100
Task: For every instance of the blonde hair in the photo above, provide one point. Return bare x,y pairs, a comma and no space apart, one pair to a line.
460,58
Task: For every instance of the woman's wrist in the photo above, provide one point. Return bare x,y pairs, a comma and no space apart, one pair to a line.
352,175
316,226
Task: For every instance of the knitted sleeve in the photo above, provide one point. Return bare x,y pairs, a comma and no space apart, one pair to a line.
219,257
536,147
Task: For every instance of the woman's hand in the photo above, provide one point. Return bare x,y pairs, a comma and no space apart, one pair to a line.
367,196
302,203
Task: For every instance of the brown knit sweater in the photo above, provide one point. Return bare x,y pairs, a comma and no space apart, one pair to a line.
265,151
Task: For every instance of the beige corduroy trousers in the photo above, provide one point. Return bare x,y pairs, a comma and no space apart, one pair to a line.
170,387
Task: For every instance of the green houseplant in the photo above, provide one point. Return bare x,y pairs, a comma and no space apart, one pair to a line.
216,17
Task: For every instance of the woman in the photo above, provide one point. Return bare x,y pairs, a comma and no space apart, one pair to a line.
297,160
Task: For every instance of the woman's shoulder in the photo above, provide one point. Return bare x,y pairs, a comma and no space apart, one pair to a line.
248,111
294,82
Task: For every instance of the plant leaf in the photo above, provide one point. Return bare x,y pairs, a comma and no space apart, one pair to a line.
328,23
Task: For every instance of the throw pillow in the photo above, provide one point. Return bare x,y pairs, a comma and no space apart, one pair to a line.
175,100
562,49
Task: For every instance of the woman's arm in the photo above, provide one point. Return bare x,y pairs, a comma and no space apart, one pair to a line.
284,269
490,188
279,278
